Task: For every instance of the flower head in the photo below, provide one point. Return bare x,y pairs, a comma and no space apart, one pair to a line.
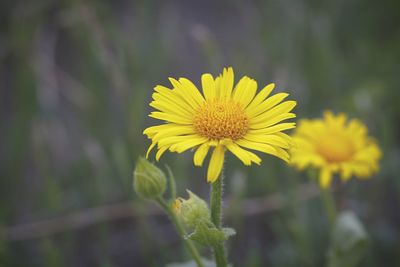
223,117
335,145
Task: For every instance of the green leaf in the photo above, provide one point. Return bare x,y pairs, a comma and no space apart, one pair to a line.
349,241
208,235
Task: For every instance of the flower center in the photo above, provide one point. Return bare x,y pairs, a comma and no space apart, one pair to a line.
335,147
219,119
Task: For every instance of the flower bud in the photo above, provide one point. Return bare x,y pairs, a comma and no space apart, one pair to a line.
192,210
149,181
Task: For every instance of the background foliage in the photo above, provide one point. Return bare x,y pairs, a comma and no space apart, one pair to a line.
76,78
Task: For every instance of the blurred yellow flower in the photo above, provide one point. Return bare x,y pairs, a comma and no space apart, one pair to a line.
335,145
223,117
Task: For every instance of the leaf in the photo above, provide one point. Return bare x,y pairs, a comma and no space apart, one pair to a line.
208,235
349,241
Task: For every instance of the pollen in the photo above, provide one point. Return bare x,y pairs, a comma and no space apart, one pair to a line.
219,119
335,147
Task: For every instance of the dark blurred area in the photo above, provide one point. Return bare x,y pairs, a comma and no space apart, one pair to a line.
76,78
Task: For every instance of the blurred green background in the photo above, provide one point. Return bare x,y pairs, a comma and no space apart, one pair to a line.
76,78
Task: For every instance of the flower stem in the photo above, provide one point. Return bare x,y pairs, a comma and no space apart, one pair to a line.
216,217
181,231
329,204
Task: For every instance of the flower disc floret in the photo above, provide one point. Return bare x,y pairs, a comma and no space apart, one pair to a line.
336,147
221,119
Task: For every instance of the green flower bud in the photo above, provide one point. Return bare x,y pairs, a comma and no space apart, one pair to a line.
192,210
149,181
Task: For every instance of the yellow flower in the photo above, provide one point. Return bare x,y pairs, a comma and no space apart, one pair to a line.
223,117
335,145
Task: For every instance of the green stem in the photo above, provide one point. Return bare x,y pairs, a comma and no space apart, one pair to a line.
216,217
181,231
329,204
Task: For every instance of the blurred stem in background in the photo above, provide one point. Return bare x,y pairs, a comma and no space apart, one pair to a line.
329,205
327,198
216,218
181,231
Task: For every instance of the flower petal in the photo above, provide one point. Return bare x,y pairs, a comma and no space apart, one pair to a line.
245,91
208,85
274,129
275,151
245,156
160,152
165,94
266,104
272,121
226,83
194,92
201,154
280,109
189,143
170,117
184,93
262,95
216,163
325,177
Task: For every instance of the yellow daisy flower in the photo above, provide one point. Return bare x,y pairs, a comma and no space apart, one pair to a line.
335,145
224,117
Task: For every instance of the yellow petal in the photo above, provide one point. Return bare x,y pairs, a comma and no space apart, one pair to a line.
245,91
274,129
247,157
171,109
226,83
189,143
194,92
184,92
165,94
149,150
160,152
238,152
271,121
282,108
172,140
216,163
262,95
200,154
208,85
218,82
325,177
271,139
275,151
176,130
170,117
265,105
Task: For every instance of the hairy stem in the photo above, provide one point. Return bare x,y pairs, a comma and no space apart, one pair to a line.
216,217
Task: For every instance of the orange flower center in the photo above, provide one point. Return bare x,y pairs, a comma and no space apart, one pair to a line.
219,119
335,147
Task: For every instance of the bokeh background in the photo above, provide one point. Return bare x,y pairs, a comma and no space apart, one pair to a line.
76,78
